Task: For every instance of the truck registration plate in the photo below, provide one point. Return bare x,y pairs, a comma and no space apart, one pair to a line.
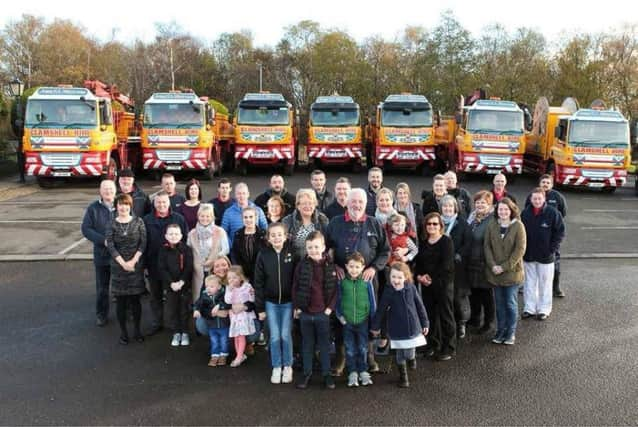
61,173
493,171
596,184
173,167
335,153
407,155
263,154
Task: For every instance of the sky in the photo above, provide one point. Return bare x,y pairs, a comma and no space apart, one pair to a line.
267,19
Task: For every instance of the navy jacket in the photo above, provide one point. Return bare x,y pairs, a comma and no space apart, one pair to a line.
544,232
288,198
371,206
407,316
94,224
220,207
369,238
334,209
205,305
155,231
554,199
141,202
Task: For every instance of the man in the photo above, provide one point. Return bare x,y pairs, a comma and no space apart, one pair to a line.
545,230
156,223
556,200
339,205
432,199
223,199
97,218
318,183
141,202
233,221
499,191
375,183
169,186
277,188
462,196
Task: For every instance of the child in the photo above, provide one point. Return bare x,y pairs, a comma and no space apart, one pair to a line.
407,320
402,244
242,323
175,263
314,297
355,302
212,307
273,299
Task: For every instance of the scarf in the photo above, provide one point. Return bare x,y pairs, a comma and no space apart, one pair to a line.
205,236
449,222
383,218
409,212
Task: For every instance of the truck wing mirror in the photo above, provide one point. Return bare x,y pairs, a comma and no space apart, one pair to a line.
458,118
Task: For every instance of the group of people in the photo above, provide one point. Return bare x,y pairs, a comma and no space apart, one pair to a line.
366,270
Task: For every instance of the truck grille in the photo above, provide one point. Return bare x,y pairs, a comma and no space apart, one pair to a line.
589,173
173,155
60,159
495,160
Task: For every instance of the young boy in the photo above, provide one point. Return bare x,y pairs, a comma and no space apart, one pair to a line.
211,306
175,263
314,295
355,303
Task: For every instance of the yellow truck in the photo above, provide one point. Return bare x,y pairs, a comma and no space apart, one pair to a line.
78,132
265,132
490,139
182,132
579,147
334,132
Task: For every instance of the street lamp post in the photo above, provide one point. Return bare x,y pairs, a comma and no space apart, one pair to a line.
16,88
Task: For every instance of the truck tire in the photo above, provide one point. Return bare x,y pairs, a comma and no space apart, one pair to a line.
243,168
289,169
48,182
369,156
609,190
111,170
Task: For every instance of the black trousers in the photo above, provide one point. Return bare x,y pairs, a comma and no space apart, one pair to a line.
102,282
439,303
123,304
178,306
482,302
157,301
461,306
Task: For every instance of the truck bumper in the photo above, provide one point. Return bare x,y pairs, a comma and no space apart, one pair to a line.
263,154
175,159
65,164
492,163
334,154
590,177
404,157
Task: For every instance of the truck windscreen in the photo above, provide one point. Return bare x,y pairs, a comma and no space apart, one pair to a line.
173,115
406,118
334,117
263,116
599,134
495,122
61,114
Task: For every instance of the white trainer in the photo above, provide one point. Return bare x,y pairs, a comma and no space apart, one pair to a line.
185,340
177,338
286,376
275,378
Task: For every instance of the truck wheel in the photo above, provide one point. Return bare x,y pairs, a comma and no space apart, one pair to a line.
47,182
609,190
289,169
369,158
356,166
111,170
243,168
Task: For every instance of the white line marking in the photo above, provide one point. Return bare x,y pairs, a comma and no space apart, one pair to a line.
620,227
609,210
37,221
73,246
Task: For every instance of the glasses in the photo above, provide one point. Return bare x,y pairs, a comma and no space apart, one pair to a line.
434,224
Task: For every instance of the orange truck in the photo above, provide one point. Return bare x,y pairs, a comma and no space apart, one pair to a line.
182,132
334,132
490,139
402,135
580,147
265,132
78,132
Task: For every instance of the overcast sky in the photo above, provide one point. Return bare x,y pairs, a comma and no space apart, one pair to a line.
266,19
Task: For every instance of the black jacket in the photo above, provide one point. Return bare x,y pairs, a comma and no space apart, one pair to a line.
554,199
463,199
155,231
371,206
176,200
176,263
334,209
239,255
94,225
407,316
429,203
436,260
205,304
324,200
544,232
141,202
288,198
461,236
219,208
273,276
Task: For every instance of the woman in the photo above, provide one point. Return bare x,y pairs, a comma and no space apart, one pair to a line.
207,241
459,231
403,204
385,210
505,243
276,209
126,242
248,241
190,208
305,219
435,273
482,297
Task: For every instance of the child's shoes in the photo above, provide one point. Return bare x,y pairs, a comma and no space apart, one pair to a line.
214,360
221,361
238,361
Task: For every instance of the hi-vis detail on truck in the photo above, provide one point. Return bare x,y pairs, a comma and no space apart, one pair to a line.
334,132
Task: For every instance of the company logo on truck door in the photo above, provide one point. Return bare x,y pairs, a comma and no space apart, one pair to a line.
406,135
334,134
495,142
263,134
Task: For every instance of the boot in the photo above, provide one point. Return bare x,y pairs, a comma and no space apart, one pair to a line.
340,361
460,330
373,366
556,286
403,376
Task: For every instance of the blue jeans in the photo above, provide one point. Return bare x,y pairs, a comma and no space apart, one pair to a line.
218,341
202,328
355,338
279,317
315,329
506,310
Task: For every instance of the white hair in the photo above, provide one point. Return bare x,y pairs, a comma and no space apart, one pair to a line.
358,191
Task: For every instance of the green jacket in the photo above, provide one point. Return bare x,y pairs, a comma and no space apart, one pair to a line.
507,252
355,301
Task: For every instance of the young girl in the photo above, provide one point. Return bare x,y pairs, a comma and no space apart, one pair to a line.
407,320
402,243
242,324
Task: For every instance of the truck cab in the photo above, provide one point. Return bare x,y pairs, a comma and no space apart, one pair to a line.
177,133
334,132
265,132
490,139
